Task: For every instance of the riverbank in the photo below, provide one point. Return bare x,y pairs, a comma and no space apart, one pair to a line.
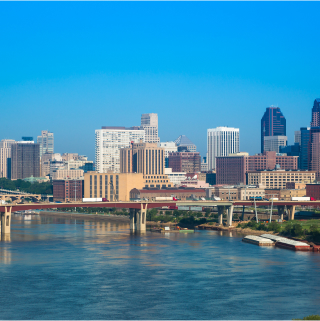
244,231
100,217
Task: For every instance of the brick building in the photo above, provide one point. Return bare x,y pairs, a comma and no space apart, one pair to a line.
313,190
185,162
67,190
232,169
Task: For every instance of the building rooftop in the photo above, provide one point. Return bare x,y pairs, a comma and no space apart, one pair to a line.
183,140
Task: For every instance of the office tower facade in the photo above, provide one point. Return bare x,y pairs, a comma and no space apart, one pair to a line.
221,141
149,123
169,147
185,162
46,142
109,141
315,120
5,157
303,157
25,160
273,143
314,140
273,123
290,150
184,141
147,159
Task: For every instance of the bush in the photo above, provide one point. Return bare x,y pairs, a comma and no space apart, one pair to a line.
274,226
312,317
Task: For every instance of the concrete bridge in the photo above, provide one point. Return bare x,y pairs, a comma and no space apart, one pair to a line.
138,210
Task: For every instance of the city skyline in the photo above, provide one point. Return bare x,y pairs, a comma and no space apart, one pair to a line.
188,73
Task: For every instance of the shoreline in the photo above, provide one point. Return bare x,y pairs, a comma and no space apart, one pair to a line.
99,217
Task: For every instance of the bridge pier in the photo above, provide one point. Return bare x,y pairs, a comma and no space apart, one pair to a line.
138,219
6,221
281,212
220,214
230,215
291,210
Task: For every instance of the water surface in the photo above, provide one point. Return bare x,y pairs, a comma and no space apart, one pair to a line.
56,268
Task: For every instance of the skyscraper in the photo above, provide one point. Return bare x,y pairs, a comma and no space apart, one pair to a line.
46,142
273,123
109,141
149,123
221,141
315,121
25,160
302,138
5,157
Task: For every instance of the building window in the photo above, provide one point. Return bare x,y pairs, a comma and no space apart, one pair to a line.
101,186
106,186
90,186
95,186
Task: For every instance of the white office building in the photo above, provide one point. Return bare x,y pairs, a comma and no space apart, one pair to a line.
221,141
46,142
109,141
169,147
149,123
273,143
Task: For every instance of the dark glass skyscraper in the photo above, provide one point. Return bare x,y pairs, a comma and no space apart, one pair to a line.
315,121
305,137
314,142
273,123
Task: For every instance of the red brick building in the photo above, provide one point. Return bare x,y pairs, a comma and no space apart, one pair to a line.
313,190
67,190
185,162
233,169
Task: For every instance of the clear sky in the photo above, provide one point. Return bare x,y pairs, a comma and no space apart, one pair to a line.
72,67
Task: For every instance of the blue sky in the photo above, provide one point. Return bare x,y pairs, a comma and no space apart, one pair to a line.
72,67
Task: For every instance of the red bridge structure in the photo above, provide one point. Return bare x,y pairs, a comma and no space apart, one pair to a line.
138,210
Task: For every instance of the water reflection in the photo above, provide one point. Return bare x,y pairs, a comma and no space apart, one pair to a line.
71,268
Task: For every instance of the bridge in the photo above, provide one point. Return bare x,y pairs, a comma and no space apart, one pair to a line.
138,210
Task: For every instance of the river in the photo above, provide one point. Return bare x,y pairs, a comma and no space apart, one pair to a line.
61,268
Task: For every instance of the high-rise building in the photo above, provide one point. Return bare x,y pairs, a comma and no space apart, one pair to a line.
148,159
314,140
273,123
25,160
5,157
149,123
315,121
303,157
109,141
273,143
221,141
184,141
45,142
